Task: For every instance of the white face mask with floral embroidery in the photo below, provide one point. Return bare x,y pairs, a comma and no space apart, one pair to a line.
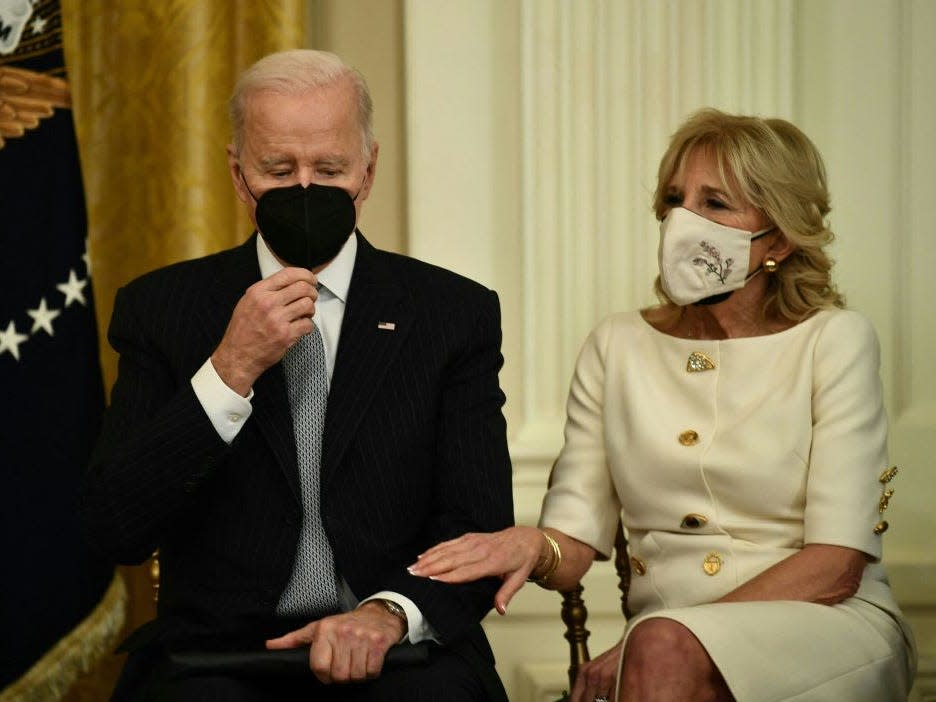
701,261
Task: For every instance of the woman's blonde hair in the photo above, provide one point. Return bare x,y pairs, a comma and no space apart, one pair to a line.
772,165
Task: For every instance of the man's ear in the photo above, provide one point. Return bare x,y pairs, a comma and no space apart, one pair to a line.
371,170
237,176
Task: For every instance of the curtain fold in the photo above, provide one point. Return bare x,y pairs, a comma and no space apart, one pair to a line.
150,86
150,83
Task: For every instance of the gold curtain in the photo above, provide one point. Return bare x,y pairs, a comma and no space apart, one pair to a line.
150,82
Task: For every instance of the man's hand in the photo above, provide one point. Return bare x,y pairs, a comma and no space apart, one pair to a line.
347,647
268,319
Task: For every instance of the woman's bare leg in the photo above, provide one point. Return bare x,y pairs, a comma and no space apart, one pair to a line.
665,662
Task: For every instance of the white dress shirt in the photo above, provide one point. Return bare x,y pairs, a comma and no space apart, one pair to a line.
228,411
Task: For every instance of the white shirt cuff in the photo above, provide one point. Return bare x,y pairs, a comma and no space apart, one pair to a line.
226,409
419,628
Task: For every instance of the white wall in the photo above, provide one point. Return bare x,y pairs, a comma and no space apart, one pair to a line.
533,132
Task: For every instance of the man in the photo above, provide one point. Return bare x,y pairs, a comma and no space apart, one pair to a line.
271,535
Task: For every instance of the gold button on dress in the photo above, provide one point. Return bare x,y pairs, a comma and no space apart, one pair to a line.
690,437
712,563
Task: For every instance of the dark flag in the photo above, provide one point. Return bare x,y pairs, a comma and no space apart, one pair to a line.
51,390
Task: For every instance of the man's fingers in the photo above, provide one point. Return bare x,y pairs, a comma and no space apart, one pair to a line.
374,665
288,276
301,309
321,659
290,640
294,639
342,659
357,665
352,646
282,288
297,291
268,299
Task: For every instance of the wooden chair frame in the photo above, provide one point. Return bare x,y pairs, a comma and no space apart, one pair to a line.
575,614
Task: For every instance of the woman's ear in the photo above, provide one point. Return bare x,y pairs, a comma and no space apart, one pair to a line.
780,248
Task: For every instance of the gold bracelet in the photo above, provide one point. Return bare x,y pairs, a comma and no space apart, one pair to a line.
556,559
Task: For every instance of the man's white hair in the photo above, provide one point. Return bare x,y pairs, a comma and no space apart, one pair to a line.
294,72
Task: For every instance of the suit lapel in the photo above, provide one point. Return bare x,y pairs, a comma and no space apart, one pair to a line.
271,414
378,316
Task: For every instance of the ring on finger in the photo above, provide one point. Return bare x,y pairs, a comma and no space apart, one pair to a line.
601,698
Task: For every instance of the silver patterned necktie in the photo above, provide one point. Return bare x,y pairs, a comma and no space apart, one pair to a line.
312,588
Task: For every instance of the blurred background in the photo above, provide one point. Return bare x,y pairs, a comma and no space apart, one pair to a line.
519,141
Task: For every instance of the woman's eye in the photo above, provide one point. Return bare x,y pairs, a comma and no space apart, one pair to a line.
716,204
672,199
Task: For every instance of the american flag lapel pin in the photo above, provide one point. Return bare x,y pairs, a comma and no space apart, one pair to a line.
389,326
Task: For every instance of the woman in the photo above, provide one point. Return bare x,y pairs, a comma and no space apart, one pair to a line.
738,431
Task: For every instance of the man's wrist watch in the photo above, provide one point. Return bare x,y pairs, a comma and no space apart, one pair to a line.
396,610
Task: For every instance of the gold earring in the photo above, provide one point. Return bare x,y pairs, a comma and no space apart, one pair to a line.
771,265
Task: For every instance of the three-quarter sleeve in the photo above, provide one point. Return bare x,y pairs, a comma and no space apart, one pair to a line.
849,441
581,501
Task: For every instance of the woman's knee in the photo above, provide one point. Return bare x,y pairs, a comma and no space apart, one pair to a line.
662,653
663,644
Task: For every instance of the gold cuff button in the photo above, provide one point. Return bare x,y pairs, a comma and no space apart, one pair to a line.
712,563
638,566
881,527
885,499
689,437
888,474
694,521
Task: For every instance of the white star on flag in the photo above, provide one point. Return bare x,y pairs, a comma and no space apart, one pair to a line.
73,289
38,25
42,318
10,340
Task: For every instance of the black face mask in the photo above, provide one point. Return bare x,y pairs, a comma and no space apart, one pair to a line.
305,226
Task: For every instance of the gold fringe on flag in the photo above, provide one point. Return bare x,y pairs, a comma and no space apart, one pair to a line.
76,654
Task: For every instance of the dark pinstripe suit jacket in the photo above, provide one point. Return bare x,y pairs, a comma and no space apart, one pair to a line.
414,448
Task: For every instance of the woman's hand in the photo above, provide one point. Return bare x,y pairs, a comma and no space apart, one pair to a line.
596,679
511,555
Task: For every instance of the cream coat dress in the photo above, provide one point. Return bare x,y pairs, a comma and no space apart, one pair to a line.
723,458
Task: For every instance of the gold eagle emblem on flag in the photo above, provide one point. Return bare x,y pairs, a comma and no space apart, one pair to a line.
27,97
